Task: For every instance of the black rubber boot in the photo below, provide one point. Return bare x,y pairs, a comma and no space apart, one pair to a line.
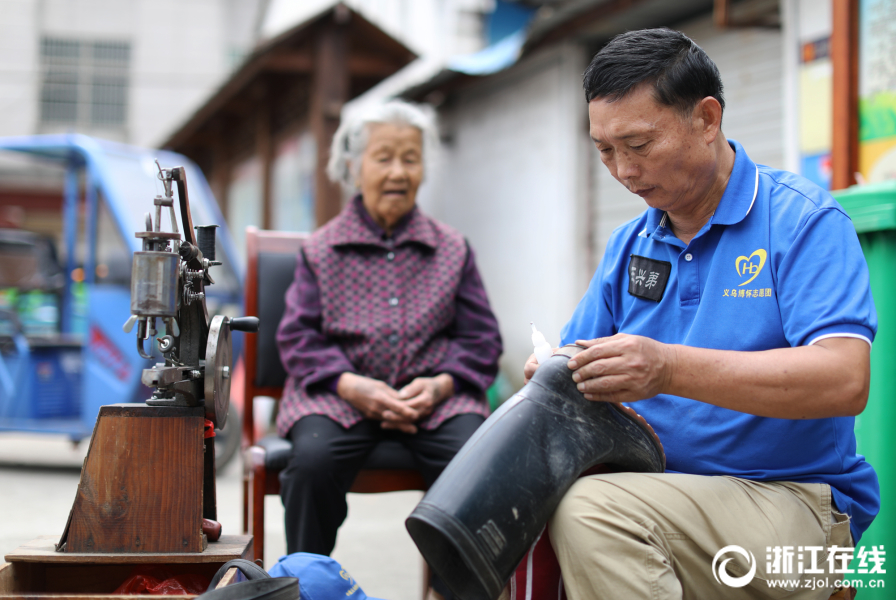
480,517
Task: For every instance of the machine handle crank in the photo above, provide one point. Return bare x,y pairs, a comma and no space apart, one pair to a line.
247,324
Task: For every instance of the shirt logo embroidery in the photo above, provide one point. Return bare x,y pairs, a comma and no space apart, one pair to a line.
747,266
647,277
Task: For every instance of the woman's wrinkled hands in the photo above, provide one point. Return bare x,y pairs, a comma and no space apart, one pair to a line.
622,368
377,400
397,409
423,394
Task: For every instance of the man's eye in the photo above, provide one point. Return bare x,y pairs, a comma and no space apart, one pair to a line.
639,147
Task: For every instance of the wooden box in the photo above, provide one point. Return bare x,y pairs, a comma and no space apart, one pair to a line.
141,488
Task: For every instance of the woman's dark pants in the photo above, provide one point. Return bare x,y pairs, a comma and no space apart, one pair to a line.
327,457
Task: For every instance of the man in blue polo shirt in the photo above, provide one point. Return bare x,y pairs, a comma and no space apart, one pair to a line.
735,315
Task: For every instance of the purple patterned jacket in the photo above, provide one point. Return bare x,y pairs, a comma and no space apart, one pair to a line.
388,308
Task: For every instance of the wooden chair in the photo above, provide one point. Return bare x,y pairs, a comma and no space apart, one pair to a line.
271,258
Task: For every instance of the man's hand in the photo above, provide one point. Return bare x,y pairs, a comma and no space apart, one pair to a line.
529,368
622,368
377,400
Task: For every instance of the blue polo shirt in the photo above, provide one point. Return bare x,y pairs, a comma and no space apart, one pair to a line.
778,265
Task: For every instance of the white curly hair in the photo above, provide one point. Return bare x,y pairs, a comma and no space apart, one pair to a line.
351,138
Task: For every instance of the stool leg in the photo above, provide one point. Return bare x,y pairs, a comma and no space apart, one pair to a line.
427,573
246,486
258,480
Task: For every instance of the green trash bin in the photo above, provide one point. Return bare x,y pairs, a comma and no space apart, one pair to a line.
872,208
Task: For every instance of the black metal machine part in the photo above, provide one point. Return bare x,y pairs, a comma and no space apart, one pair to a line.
168,287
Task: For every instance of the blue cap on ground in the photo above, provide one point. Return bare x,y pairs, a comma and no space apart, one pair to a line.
320,577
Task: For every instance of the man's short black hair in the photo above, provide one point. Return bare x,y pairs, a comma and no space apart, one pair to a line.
679,70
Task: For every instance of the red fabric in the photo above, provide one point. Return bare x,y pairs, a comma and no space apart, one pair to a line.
540,566
157,581
540,569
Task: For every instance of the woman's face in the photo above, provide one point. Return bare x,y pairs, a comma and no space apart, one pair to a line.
391,171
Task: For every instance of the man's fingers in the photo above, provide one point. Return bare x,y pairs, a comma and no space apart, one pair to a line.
529,368
619,396
601,367
599,386
595,349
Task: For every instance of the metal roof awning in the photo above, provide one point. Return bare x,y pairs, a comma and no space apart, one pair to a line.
593,22
299,79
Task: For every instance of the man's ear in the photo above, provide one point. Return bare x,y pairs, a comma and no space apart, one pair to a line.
708,116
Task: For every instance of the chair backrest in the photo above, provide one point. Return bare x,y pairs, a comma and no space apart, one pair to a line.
271,265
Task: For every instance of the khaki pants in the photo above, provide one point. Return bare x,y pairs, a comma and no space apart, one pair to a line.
633,536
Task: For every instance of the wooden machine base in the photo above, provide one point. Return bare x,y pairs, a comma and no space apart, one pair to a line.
141,488
144,487
36,570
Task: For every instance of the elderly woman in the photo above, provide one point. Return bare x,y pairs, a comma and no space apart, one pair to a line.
387,331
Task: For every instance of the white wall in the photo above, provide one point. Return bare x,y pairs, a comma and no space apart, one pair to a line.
751,65
18,67
433,28
180,52
510,179
177,65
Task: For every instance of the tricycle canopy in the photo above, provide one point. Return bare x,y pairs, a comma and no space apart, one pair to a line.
55,379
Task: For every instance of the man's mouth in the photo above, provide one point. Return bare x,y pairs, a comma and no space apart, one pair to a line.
643,192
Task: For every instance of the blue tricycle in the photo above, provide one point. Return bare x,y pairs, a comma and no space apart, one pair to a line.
63,352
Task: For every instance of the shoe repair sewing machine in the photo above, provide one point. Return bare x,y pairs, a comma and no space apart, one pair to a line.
147,488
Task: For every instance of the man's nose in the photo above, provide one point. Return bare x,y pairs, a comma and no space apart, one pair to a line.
625,167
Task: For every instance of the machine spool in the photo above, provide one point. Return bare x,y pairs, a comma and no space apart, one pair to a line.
154,284
206,240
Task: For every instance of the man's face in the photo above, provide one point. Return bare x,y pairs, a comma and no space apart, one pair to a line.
653,150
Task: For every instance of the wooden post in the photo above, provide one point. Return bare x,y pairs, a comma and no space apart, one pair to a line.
845,62
264,148
329,91
222,162
720,11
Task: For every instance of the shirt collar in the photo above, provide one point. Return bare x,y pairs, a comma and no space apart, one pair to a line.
741,191
737,200
358,227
